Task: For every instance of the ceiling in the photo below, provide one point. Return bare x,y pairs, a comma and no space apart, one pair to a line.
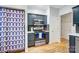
45,7
58,6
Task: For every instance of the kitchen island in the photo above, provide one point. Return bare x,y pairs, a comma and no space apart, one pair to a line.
74,43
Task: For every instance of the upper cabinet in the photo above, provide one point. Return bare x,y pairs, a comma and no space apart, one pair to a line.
45,19
31,17
76,15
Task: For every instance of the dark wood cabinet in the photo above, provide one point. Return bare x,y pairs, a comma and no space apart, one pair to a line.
47,37
31,39
31,17
37,24
45,19
76,15
72,44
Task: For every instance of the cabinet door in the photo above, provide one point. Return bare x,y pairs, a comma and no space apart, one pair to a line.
31,39
45,19
31,17
77,44
76,15
72,44
47,37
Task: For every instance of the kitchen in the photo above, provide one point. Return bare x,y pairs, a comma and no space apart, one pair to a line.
45,28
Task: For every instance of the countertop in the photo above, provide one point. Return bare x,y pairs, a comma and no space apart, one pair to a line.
33,31
74,34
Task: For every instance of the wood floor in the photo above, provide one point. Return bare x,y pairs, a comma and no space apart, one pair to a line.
56,47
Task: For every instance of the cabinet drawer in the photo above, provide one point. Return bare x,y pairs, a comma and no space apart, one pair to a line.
40,42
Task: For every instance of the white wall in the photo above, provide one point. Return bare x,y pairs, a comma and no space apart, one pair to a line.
16,6
66,25
37,9
55,25
66,9
55,22
63,11
25,8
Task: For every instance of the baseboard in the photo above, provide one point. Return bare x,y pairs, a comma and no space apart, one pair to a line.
16,51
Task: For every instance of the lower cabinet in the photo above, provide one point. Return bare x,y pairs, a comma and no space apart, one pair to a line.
31,39
35,41
77,44
47,37
73,44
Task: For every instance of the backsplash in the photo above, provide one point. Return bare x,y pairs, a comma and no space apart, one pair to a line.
73,29
77,28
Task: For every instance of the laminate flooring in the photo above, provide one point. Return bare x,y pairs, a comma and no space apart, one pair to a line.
62,47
